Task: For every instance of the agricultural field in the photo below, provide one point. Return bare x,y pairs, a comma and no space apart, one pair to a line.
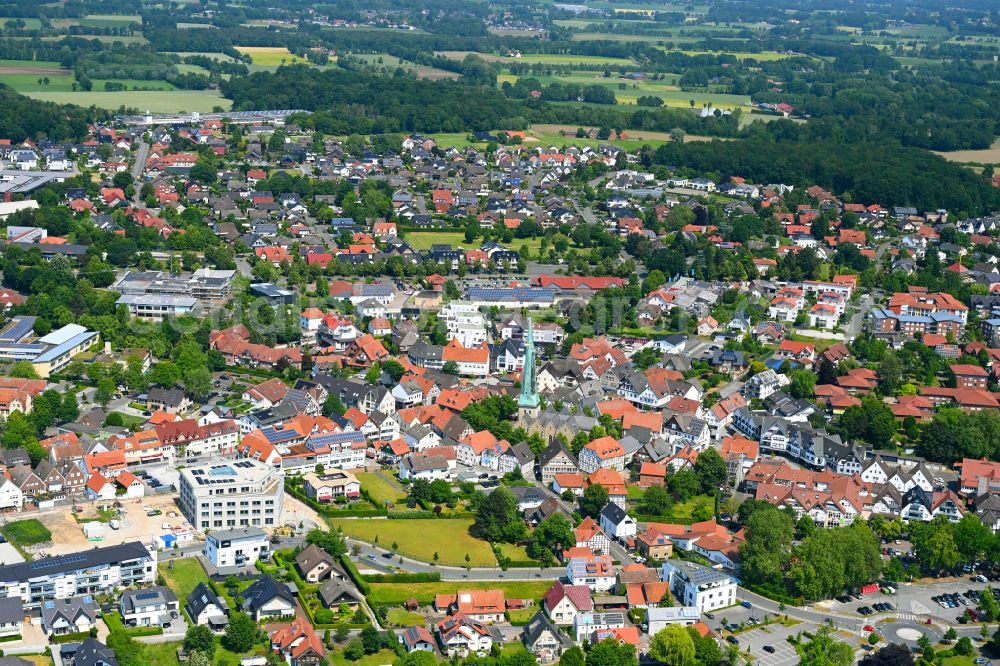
389,63
270,56
160,101
221,57
110,20
452,541
29,23
29,76
628,91
545,58
133,84
989,155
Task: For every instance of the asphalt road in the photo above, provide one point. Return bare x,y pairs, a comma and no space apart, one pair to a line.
140,161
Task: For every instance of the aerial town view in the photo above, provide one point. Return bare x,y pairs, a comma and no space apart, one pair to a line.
486,333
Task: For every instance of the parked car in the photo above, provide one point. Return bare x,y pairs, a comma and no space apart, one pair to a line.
746,604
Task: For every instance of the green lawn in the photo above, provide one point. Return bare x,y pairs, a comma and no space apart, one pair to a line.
161,101
128,420
682,512
379,488
395,594
522,615
402,618
165,654
422,240
22,533
420,539
184,577
957,660
378,659
514,552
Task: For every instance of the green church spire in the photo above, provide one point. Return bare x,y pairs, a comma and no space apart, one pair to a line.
529,394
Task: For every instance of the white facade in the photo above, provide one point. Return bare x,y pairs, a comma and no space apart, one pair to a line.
88,572
242,493
698,586
234,548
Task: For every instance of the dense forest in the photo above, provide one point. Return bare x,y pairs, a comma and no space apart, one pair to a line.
358,102
866,168
22,118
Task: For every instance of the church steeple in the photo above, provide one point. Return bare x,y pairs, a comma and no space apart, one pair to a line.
529,395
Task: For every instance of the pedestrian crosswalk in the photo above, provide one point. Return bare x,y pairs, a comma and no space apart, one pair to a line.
906,616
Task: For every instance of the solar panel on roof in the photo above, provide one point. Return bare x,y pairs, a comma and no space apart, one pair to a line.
146,596
57,561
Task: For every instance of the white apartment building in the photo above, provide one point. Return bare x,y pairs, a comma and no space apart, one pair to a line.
88,572
464,322
242,493
697,586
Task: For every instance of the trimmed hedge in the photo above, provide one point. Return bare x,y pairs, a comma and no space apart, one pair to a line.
423,577
70,638
355,575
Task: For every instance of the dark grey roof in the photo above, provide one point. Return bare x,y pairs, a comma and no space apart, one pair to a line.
69,609
551,451
334,592
11,610
540,623
49,566
92,652
264,590
200,598
614,513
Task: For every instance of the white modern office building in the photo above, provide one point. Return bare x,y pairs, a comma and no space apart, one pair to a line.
227,495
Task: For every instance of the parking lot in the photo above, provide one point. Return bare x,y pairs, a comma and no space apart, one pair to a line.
913,602
775,637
